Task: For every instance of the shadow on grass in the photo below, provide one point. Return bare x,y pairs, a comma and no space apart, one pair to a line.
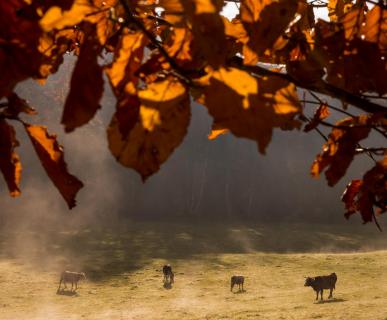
167,285
334,300
103,252
239,291
68,293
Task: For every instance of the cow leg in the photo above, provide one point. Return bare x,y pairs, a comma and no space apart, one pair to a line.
76,286
60,283
330,293
317,294
242,287
322,291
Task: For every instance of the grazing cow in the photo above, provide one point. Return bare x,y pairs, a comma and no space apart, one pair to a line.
73,277
322,282
168,274
239,280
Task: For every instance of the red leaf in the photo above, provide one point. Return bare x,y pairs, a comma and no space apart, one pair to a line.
9,161
86,87
340,149
51,156
349,196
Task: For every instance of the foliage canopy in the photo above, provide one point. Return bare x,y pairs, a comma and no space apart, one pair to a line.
163,53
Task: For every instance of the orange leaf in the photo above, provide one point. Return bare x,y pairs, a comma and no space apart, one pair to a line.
265,21
51,156
162,123
10,164
321,113
374,28
178,45
251,107
86,87
216,131
56,18
127,59
337,8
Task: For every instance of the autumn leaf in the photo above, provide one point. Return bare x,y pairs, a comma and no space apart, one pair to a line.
174,12
101,18
346,62
216,131
251,107
214,54
19,37
178,45
86,87
56,18
363,195
337,8
340,149
17,105
127,59
10,165
374,28
51,156
321,113
265,21
161,125
349,196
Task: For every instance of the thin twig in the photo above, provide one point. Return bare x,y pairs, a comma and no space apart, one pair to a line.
131,18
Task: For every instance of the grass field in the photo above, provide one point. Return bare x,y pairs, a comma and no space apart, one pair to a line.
123,265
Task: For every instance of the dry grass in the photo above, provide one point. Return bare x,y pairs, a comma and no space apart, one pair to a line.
125,280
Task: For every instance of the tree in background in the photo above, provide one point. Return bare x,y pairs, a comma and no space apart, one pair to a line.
158,55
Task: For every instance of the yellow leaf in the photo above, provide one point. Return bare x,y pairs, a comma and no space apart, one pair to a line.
265,21
127,60
251,107
55,18
161,124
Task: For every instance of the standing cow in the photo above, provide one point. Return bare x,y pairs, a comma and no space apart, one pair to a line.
71,277
239,280
322,282
169,277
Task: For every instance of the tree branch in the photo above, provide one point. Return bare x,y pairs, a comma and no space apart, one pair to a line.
131,18
321,87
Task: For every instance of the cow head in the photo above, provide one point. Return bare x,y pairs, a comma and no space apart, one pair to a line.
308,281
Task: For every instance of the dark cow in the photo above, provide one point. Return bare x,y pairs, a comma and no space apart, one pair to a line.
239,280
322,282
168,274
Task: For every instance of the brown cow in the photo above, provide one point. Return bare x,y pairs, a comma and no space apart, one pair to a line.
322,282
239,280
